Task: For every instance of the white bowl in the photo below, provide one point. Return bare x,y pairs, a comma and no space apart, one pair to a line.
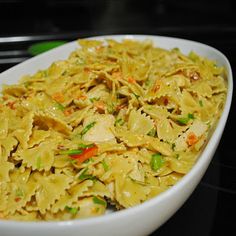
148,216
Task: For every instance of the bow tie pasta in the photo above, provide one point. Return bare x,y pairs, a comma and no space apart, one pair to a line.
115,124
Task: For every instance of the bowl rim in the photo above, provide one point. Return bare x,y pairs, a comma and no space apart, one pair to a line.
202,160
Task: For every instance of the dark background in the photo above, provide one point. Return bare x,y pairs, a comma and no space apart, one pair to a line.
211,208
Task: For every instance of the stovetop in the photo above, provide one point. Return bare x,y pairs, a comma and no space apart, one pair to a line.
211,208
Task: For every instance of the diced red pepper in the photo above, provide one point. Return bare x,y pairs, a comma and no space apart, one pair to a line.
86,154
191,139
131,80
17,199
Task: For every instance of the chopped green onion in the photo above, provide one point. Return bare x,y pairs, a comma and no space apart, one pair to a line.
105,166
147,82
71,152
19,192
84,176
73,161
201,103
59,106
191,116
27,84
156,162
99,201
72,210
94,99
185,120
64,73
173,146
38,163
110,107
87,128
119,122
137,96
152,132
177,156
97,209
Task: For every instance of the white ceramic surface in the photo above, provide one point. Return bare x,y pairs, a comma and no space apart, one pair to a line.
144,218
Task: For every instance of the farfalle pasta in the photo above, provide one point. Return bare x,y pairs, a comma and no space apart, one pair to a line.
115,124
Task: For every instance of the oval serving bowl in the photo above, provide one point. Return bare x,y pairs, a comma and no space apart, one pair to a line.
148,216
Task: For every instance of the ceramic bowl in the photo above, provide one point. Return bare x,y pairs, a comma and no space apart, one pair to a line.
148,216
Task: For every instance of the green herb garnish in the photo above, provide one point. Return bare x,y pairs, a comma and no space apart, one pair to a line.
119,122
71,152
84,175
87,128
73,161
147,82
110,107
105,166
72,210
191,116
201,103
173,146
99,201
59,106
94,99
156,162
185,120
152,132
38,163
64,73
27,84
19,192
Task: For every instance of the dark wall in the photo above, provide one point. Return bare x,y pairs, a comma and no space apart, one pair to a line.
23,17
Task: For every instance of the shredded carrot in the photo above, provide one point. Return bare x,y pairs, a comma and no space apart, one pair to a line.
17,199
121,106
166,101
99,48
191,139
4,97
82,97
131,80
59,97
86,154
11,105
156,86
100,106
86,69
68,111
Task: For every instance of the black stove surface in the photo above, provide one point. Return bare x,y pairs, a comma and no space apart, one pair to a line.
210,209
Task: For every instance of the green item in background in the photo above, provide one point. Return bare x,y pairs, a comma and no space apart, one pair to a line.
38,48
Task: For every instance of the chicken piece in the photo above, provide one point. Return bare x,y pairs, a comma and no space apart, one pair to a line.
101,130
198,128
